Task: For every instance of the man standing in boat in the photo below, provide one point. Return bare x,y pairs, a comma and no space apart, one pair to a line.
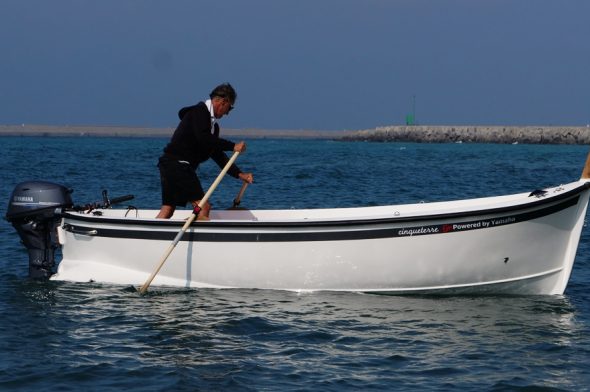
195,140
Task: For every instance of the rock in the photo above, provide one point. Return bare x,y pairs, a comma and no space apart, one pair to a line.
474,134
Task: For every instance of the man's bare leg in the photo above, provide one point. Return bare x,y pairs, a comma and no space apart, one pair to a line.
166,212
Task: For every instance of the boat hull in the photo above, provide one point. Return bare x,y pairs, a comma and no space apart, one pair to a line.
515,244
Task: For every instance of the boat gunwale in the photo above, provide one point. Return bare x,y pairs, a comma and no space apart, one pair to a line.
327,223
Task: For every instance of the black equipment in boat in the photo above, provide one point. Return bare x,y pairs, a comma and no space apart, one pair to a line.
35,210
32,212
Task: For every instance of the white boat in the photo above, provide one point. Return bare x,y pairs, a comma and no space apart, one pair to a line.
513,244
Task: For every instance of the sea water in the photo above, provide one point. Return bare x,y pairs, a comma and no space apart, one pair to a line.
57,336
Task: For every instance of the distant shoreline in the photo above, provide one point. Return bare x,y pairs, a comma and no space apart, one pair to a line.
397,133
118,131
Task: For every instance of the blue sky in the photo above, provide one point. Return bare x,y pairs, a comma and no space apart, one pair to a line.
305,64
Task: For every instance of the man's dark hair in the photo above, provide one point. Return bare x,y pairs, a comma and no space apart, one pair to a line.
224,90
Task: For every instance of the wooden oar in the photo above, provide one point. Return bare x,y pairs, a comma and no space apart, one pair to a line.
190,220
586,171
240,194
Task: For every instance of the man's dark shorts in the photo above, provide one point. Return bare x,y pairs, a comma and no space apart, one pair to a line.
180,183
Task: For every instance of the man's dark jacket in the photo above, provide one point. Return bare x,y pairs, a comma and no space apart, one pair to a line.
194,142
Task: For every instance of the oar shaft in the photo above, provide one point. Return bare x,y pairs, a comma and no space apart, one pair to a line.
240,194
586,171
147,283
190,220
218,179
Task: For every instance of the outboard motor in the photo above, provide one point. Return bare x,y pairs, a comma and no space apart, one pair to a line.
34,210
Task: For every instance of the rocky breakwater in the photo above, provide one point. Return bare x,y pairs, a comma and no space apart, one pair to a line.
475,134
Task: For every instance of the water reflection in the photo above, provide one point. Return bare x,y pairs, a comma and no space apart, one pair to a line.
219,332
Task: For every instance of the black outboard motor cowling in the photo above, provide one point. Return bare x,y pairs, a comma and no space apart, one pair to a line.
34,210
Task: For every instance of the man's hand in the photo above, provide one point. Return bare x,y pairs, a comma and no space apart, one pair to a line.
247,177
240,147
